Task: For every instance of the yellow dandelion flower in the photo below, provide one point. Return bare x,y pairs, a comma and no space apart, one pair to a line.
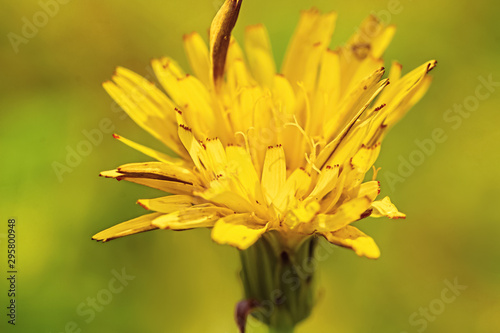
261,152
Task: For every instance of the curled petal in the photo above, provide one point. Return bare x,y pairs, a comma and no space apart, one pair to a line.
386,208
351,237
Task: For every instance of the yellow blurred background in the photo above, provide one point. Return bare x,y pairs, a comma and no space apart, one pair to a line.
51,97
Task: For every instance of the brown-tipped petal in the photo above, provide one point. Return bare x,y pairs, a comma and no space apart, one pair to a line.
338,126
162,185
134,226
152,153
220,33
160,182
159,170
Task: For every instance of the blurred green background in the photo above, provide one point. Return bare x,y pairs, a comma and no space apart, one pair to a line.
51,92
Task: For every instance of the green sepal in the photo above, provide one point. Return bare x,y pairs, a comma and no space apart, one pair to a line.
280,278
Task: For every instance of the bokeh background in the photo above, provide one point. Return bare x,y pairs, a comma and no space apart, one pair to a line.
51,93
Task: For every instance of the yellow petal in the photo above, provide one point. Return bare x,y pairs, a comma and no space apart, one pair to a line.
399,96
151,117
382,41
264,132
296,186
327,92
259,53
199,216
344,147
223,192
329,79
198,110
242,112
198,56
310,40
397,99
237,230
353,238
238,75
355,103
371,37
386,208
241,166
168,73
395,72
162,185
369,189
363,51
273,172
192,146
217,160
111,174
151,152
325,182
363,70
139,224
191,96
173,187
342,130
302,214
347,213
410,89
145,92
159,170
365,157
329,202
169,203
419,93
361,55
284,96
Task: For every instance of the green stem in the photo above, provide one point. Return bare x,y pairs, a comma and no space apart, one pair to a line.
281,330
280,278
